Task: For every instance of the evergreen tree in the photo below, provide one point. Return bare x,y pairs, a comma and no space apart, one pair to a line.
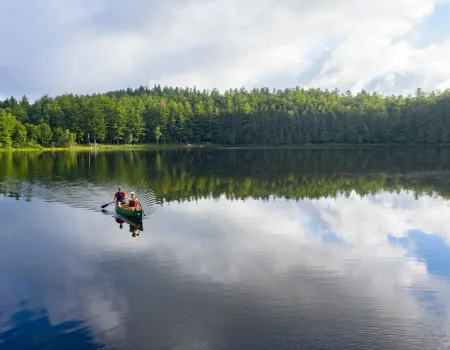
279,117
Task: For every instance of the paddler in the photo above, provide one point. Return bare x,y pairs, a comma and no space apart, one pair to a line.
119,197
134,203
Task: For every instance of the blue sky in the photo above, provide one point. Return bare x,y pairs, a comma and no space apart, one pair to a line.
436,28
96,46
430,248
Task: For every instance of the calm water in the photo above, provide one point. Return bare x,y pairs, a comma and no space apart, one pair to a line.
241,249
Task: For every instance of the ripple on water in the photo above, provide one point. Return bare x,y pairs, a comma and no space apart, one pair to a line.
77,193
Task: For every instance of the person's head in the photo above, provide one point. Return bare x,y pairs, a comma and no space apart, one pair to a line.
120,189
132,195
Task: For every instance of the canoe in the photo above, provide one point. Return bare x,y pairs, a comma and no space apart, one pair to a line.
129,213
130,221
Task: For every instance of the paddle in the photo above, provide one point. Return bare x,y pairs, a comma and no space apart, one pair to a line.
105,205
143,213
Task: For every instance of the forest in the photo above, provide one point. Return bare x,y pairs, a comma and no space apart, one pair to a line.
168,115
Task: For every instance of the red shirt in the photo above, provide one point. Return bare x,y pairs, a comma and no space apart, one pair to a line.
117,195
133,203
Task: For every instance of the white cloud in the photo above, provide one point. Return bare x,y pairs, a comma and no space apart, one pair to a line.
260,243
262,246
92,46
263,240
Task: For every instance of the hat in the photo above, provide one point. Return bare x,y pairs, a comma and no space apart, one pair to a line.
132,193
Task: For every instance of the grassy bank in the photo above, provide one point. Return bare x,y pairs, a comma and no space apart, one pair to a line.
98,147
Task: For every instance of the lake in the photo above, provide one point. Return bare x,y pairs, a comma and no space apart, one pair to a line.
240,249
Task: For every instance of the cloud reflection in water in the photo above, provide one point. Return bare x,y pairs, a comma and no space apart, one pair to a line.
215,273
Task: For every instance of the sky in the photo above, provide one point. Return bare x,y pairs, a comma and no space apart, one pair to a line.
223,242
89,46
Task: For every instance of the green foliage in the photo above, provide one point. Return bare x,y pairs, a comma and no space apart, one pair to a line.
33,132
7,126
158,133
45,135
19,136
64,138
260,116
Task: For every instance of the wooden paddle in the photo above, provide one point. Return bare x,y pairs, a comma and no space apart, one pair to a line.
142,208
105,205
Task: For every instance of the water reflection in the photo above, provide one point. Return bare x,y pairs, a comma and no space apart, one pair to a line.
133,227
33,329
165,176
341,271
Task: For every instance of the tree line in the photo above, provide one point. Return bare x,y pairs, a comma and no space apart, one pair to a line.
235,117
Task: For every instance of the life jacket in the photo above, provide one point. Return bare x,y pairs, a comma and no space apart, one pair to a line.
133,203
120,195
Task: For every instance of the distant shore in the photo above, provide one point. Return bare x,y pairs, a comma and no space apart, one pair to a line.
109,147
98,147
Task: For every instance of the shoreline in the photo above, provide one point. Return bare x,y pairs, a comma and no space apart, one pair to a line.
105,147
99,147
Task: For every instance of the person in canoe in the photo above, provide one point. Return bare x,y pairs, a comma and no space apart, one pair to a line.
119,197
134,204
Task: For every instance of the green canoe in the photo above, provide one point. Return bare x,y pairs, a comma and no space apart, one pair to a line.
129,213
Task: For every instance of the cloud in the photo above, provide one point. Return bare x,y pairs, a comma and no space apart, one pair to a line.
240,243
93,46
270,257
